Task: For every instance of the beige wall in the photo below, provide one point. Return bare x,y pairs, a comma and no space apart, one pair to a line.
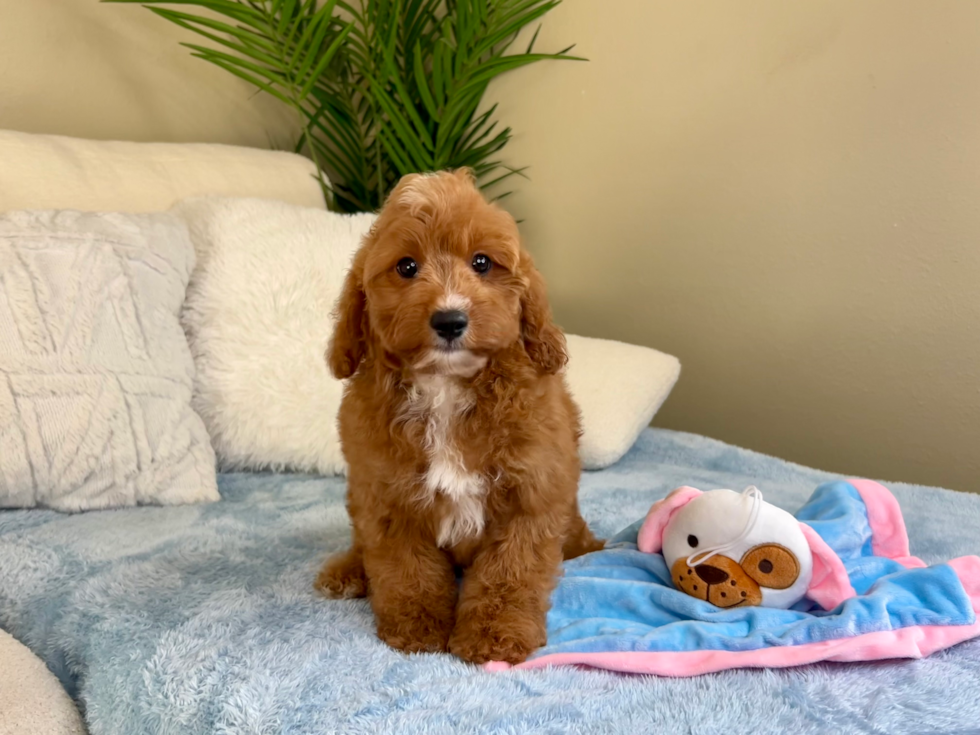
93,70
785,195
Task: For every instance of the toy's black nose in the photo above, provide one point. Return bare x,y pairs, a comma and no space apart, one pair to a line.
710,574
449,324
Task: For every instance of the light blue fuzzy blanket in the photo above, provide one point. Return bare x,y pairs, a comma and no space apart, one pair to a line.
202,619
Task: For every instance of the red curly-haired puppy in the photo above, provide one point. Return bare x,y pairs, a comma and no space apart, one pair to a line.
459,432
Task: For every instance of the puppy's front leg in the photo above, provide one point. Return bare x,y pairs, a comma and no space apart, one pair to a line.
413,591
505,594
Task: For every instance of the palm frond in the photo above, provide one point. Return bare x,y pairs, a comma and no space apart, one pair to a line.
382,87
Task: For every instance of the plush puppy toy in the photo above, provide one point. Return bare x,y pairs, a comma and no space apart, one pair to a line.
735,549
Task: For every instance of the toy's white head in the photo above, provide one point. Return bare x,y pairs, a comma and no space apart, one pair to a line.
730,549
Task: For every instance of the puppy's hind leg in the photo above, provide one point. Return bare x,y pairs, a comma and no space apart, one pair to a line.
343,577
579,539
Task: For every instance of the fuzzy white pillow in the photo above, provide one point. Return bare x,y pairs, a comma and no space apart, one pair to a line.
258,320
618,387
257,316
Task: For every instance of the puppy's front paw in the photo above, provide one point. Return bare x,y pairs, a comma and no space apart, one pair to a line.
421,632
343,577
509,636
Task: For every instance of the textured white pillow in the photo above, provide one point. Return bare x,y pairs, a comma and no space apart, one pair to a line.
619,387
95,373
257,317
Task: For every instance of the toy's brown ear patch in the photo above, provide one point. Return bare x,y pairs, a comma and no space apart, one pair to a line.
771,565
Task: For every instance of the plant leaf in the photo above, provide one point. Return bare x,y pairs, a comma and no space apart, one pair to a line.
285,12
246,76
383,87
422,84
209,53
324,60
319,26
188,21
410,143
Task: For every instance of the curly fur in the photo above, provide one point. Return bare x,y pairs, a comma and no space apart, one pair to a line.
460,459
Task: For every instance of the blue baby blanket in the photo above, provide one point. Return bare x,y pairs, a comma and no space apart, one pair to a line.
618,609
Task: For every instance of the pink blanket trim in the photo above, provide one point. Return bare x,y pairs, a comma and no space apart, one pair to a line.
912,642
888,535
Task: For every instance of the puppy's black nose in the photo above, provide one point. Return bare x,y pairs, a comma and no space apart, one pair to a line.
449,324
710,574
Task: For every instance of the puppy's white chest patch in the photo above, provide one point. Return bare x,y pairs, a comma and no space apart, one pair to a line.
440,402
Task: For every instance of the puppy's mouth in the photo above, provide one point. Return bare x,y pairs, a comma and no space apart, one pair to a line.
449,346
450,357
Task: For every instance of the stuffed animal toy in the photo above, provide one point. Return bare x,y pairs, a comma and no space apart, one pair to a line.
734,549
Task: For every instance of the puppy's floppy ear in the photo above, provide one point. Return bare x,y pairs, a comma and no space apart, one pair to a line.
348,345
543,341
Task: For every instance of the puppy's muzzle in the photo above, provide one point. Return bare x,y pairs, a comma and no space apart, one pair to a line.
450,324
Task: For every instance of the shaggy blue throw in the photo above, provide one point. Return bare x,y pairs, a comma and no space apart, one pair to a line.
201,619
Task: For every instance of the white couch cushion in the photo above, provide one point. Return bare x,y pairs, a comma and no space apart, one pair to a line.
55,172
258,321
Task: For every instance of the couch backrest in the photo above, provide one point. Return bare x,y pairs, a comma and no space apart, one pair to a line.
55,172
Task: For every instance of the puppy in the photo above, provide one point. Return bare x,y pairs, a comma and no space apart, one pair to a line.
460,435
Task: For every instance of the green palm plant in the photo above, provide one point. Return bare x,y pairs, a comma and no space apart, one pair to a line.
382,88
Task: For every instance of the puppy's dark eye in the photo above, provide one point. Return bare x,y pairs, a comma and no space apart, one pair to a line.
407,268
692,541
765,566
481,263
